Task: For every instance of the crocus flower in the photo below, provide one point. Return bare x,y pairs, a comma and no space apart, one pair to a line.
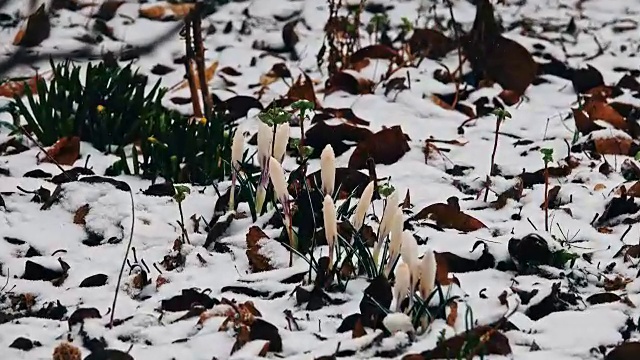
328,170
385,223
277,178
282,139
396,241
409,253
280,187
427,270
402,285
363,204
330,224
236,156
265,139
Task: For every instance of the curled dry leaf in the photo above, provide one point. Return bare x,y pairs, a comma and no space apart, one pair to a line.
346,114
453,314
385,147
500,59
257,261
65,151
165,11
348,81
377,51
449,216
489,340
302,90
37,29
430,43
339,137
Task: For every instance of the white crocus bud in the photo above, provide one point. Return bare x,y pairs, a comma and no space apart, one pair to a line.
409,253
282,139
330,224
361,209
402,285
279,183
387,216
328,170
385,223
396,240
427,269
265,139
237,147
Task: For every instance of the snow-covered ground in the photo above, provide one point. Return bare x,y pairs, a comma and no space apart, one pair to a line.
606,37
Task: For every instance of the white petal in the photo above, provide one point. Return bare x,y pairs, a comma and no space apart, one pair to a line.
282,139
428,269
265,139
396,234
277,178
328,169
409,252
387,216
236,148
363,205
402,285
330,222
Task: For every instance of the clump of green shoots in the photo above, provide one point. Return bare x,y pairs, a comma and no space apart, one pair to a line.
547,157
303,107
179,197
378,24
501,115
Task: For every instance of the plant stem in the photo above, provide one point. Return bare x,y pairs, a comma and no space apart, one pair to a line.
546,197
185,236
197,38
493,159
190,56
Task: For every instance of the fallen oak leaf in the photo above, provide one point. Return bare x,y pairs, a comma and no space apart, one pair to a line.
385,147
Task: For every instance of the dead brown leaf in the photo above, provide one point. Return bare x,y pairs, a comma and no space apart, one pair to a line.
81,214
490,341
257,261
358,330
617,283
339,137
65,151
13,88
613,146
348,81
166,11
385,147
36,30
430,43
449,216
376,51
302,90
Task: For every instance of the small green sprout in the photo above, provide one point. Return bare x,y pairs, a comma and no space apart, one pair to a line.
303,106
547,155
179,197
501,114
274,116
386,189
406,25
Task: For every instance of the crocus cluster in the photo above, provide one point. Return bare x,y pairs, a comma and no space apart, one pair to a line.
272,143
412,270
